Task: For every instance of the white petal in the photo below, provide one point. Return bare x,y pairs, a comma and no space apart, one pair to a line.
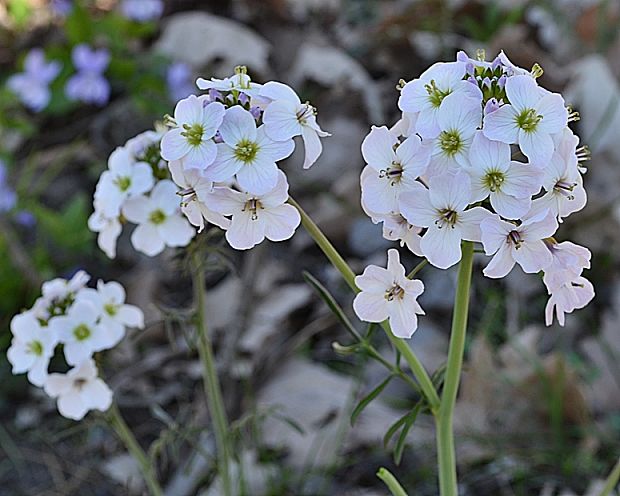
377,148
537,146
485,154
280,222
57,385
501,125
370,307
96,395
280,120
469,222
312,146
442,247
145,238
508,206
176,231
238,125
226,201
416,207
258,177
71,406
555,115
374,279
493,233
244,232
225,166
277,150
522,92
501,263
137,209
403,320
533,256
450,191
174,146
188,111
131,316
141,179
380,194
275,90
200,157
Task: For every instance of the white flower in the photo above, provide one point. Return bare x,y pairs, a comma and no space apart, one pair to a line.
286,117
108,229
441,209
396,228
388,294
191,141
240,81
159,219
521,244
115,315
572,296
31,348
248,153
79,391
426,95
81,332
124,179
509,184
256,217
58,294
392,168
567,264
458,119
530,119
562,181
196,191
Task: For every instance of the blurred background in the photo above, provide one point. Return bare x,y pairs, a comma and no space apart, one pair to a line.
539,408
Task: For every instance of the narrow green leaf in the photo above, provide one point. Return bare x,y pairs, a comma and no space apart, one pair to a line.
368,398
400,444
390,481
332,304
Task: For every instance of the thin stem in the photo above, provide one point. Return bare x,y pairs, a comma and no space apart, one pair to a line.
612,480
445,436
417,269
210,379
349,276
390,481
117,422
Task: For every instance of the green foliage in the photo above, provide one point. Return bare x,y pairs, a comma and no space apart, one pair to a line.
494,18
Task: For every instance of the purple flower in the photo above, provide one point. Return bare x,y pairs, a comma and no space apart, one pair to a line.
25,218
32,85
89,85
61,8
8,197
179,80
142,10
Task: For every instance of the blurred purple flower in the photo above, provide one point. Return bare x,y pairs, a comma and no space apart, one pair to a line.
8,197
25,218
89,85
179,80
32,85
142,10
61,8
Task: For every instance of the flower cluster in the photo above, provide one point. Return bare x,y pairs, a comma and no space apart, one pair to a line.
136,188
223,148
482,153
84,321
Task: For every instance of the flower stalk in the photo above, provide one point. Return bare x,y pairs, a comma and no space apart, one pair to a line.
445,435
390,481
117,422
210,379
612,480
348,275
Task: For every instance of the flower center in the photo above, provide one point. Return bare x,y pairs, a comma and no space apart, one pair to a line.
157,217
193,134
447,217
253,205
493,180
123,183
81,332
35,347
395,292
393,173
304,113
450,142
79,383
111,309
528,120
435,95
515,238
246,151
565,189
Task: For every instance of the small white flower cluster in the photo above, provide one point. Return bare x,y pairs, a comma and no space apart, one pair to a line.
84,321
136,187
482,153
223,148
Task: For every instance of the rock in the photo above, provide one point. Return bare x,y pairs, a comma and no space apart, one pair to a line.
125,470
198,39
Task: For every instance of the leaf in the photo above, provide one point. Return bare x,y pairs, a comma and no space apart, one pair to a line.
369,397
406,420
400,444
332,304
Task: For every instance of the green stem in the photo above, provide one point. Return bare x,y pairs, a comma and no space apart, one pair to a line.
349,276
390,481
612,480
445,435
117,422
211,382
